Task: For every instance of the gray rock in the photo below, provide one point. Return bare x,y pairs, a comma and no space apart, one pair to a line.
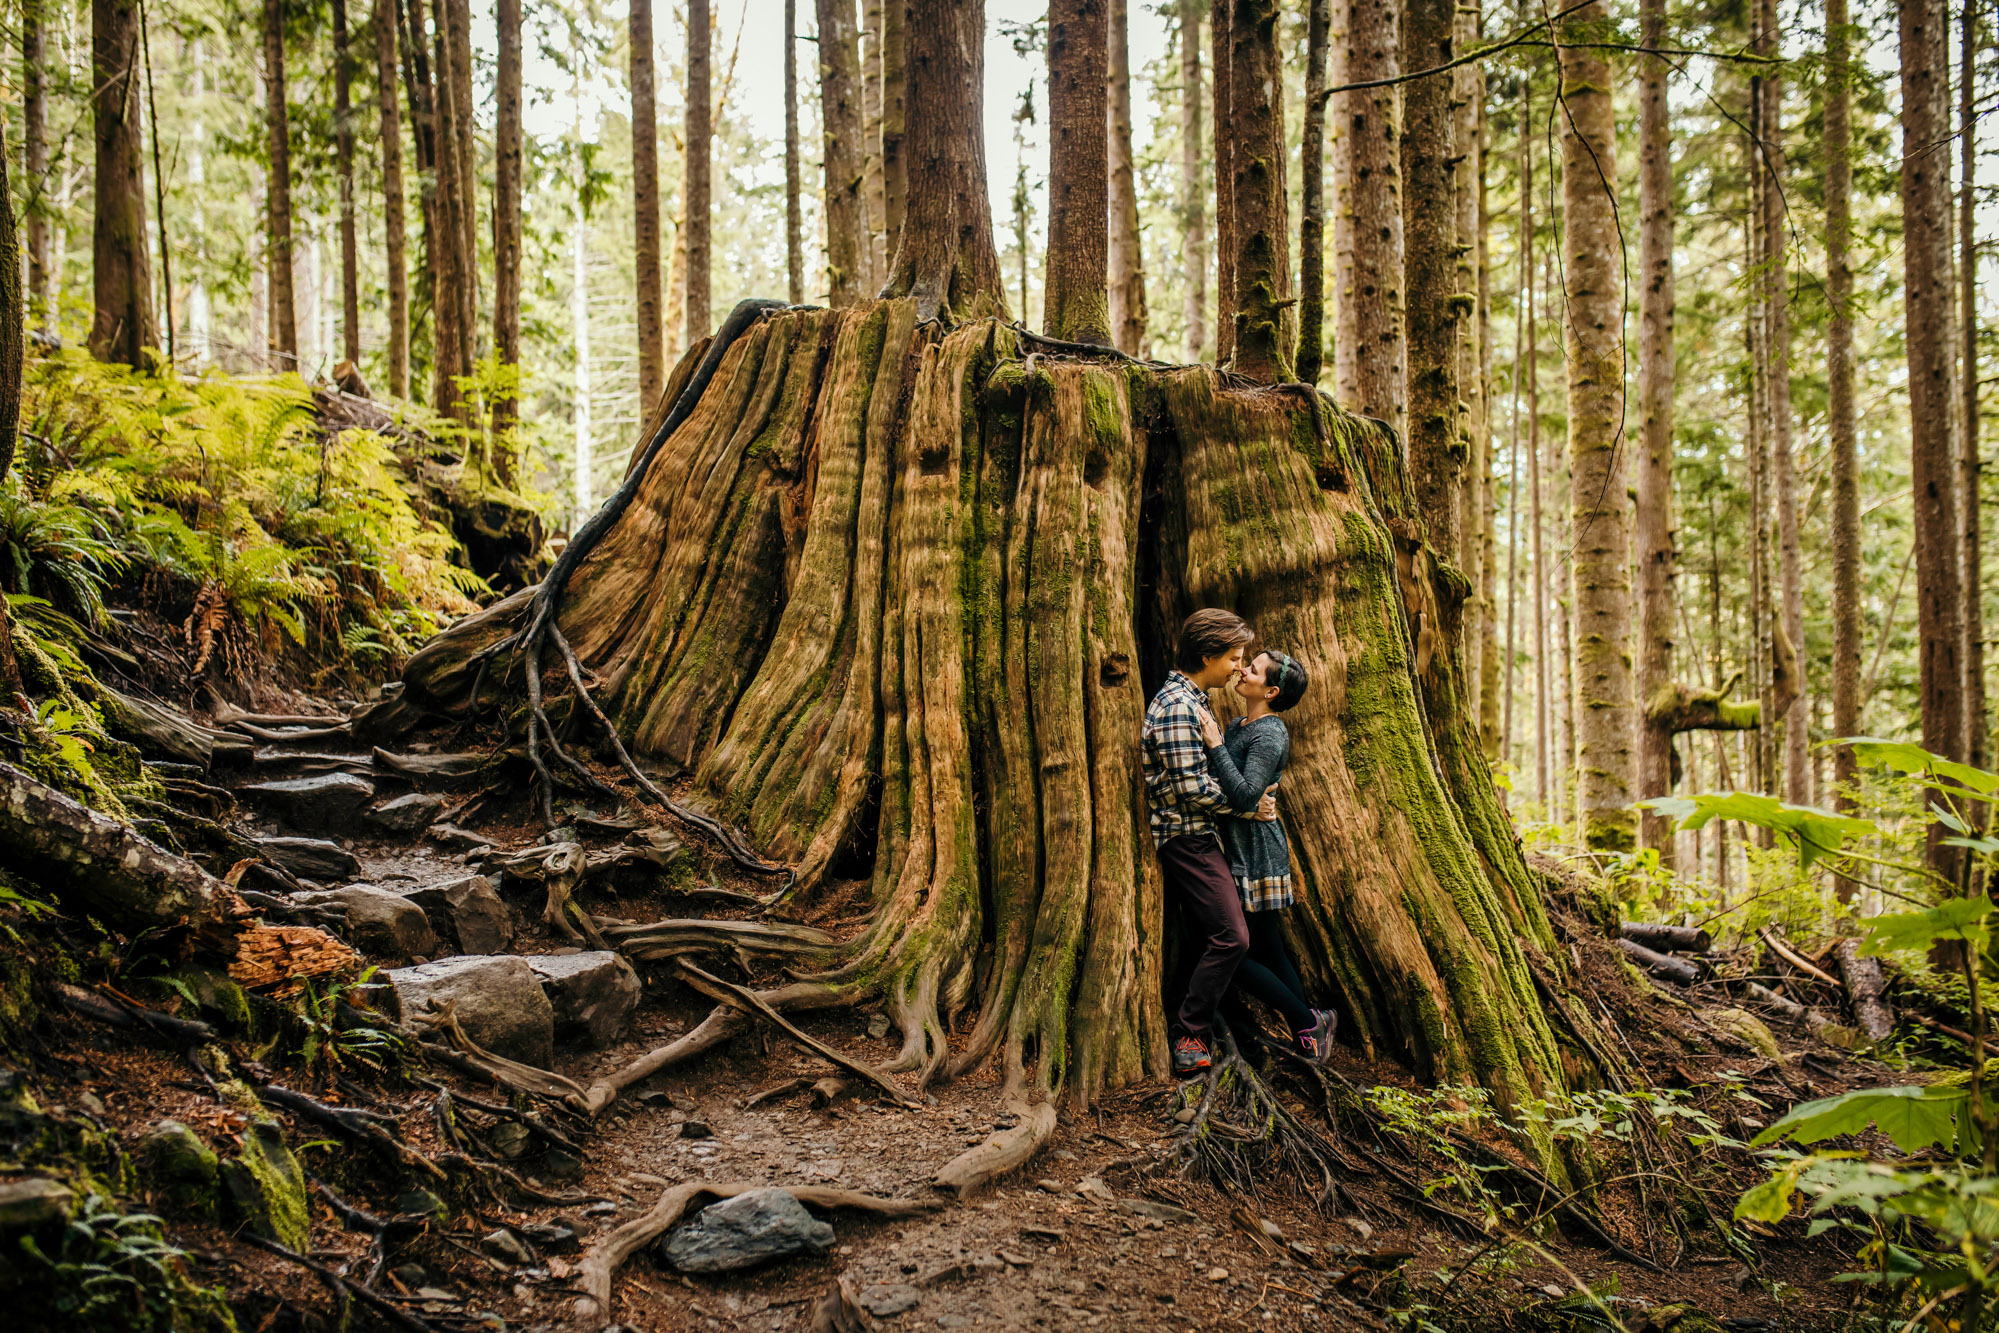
180,1169
504,1245
328,801
468,913
34,1203
891,1298
1164,1212
753,1228
311,858
592,994
379,922
407,814
497,997
458,839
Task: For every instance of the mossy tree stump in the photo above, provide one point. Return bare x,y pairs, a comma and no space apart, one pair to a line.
896,595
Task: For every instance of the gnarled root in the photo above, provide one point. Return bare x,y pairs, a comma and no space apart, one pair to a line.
750,1002
1238,1125
722,1023
599,1265
507,1073
1002,1152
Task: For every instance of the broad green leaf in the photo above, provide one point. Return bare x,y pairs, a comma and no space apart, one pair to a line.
1905,757
1989,846
1808,830
1914,1117
1770,1201
1953,919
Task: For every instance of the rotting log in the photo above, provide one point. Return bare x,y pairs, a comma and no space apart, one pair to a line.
1666,939
893,595
94,865
1659,966
1864,991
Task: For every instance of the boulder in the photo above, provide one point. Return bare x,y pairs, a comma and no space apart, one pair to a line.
497,997
379,922
179,1168
755,1227
327,801
32,1204
409,813
267,1189
592,994
467,912
312,858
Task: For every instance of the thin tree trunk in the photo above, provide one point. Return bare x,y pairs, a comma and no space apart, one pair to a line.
1221,23
1193,195
897,50
1604,708
1312,209
1430,278
1840,418
1491,736
1777,315
794,215
645,207
847,265
13,343
1542,698
122,325
507,184
465,117
395,242
1756,333
1370,349
343,157
1968,458
451,335
1256,116
1525,259
874,189
1075,298
422,93
159,193
1656,558
695,187
945,257
1933,465
1127,256
278,195
35,161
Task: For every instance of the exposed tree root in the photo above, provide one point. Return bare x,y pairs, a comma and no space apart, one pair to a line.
600,1263
1239,1126
343,1288
751,1002
1002,1152
652,941
722,1023
507,1073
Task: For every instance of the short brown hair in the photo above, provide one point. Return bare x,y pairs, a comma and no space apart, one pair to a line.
1207,633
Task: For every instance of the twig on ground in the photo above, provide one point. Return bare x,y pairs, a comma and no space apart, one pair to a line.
730,993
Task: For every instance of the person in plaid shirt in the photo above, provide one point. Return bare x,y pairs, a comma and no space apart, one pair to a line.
1185,799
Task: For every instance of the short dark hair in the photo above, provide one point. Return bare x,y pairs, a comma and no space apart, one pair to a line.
1288,675
1207,633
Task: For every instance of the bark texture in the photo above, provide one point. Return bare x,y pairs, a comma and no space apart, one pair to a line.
283,318
794,215
1221,23
1193,196
1261,269
121,278
898,43
35,156
645,208
507,149
695,186
343,159
1075,293
1972,570
1127,256
1599,503
13,343
1311,358
973,560
1840,421
395,244
1656,559
845,204
1370,352
1437,446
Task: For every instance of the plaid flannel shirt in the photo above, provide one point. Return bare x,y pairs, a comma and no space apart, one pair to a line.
1183,794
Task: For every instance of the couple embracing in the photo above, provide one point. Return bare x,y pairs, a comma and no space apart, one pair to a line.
1214,825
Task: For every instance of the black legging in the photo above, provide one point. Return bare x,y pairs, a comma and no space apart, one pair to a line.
1267,973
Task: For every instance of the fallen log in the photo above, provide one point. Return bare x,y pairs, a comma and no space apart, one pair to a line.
1661,967
98,866
1803,1015
1666,939
1864,987
1784,951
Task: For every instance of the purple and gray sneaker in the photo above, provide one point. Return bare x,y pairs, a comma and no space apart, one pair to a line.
1317,1041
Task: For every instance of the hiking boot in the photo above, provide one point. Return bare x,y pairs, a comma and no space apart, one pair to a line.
1190,1055
1317,1041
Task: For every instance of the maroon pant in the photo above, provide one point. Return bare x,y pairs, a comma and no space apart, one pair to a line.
1198,879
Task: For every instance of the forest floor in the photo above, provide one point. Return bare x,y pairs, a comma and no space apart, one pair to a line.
1106,1228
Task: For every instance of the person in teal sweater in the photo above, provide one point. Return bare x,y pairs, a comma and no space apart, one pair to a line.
1247,760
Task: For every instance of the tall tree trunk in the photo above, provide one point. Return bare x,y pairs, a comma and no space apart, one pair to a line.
122,325
13,343
422,92
1256,191
944,255
35,160
794,215
394,241
1312,207
1221,23
1489,701
897,51
847,265
1968,459
645,207
1655,555
451,335
1604,709
1543,700
874,189
1370,351
1516,389
507,185
1777,314
1127,255
1840,417
343,157
695,186
464,119
1193,192
1933,464
278,192
1075,295
1430,277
